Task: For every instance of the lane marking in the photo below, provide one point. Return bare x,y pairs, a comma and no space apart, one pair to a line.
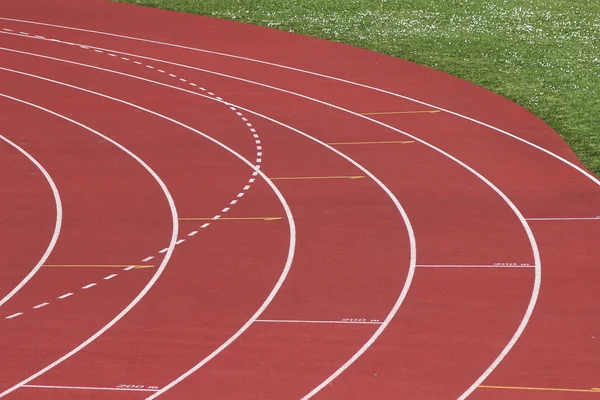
88,286
97,265
64,296
592,390
57,224
88,388
159,271
14,315
292,178
180,241
297,321
148,258
232,219
402,112
109,277
381,142
40,305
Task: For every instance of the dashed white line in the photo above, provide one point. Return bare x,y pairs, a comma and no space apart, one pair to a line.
40,305
163,250
14,315
88,286
148,258
109,277
129,268
206,225
180,241
192,233
225,209
64,296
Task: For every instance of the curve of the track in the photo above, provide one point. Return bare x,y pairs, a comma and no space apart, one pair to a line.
529,208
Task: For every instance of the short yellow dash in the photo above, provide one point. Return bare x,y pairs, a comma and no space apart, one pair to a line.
384,142
290,178
233,219
592,390
96,266
402,112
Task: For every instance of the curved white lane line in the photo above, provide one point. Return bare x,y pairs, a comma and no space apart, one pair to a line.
476,121
410,232
57,225
292,226
152,281
524,223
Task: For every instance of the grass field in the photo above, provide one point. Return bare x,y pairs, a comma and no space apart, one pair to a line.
544,55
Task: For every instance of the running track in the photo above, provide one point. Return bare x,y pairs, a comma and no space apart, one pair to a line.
201,209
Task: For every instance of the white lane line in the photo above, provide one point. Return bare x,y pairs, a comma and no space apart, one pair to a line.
88,286
276,287
40,305
206,225
163,250
14,315
129,268
535,251
148,258
109,277
192,233
157,274
57,224
180,241
64,296
88,388
565,219
297,321
471,266
346,81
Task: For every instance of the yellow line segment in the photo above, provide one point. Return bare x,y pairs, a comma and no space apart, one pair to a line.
384,142
592,390
96,266
233,219
316,177
402,112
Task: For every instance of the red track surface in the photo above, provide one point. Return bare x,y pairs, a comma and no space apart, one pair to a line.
412,281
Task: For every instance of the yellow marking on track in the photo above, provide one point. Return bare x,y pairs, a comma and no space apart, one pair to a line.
233,219
96,266
291,178
591,390
402,112
383,142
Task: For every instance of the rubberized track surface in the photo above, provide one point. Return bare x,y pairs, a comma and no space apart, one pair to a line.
200,209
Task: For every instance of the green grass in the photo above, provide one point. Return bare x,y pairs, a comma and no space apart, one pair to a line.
543,54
